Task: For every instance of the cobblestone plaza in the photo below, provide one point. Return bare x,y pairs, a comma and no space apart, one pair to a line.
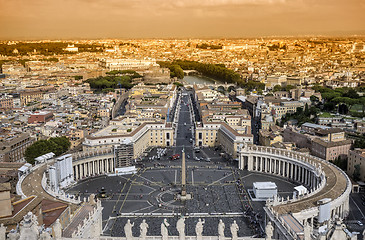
150,194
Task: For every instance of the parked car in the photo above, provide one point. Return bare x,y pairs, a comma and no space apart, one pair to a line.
359,223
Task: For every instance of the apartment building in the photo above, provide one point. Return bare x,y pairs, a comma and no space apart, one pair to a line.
328,150
324,142
356,157
268,137
13,146
27,97
6,102
40,117
148,134
126,64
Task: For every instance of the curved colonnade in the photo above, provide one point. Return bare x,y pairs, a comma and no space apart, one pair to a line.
323,179
92,163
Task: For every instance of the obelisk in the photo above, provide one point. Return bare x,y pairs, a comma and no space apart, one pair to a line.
183,174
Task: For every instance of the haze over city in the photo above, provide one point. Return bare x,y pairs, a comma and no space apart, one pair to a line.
66,19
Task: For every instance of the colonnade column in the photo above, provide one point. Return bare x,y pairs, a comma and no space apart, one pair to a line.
274,166
256,163
76,173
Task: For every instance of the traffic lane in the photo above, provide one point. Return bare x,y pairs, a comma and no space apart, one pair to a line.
357,207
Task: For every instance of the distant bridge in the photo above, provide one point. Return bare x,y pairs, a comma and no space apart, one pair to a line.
188,72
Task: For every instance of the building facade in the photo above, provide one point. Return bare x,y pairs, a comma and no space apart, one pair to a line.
355,160
12,148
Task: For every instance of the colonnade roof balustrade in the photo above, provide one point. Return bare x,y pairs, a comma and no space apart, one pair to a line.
91,153
337,182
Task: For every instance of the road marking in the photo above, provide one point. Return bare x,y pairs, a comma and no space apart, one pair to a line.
149,180
175,176
120,210
192,178
357,207
142,208
220,179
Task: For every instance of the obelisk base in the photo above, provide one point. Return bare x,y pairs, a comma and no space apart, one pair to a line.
184,197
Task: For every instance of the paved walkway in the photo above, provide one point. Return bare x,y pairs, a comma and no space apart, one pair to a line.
335,186
32,186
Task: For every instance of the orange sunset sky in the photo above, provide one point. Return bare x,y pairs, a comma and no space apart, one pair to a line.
48,19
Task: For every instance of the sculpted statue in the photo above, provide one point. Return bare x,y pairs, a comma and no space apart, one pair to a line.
143,229
180,226
199,229
57,229
128,229
13,235
2,232
269,230
45,236
92,199
234,230
29,227
307,230
164,231
221,227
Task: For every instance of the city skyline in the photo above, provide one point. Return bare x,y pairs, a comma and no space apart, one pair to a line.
83,19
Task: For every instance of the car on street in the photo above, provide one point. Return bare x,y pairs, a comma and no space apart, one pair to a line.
196,158
207,159
174,157
188,156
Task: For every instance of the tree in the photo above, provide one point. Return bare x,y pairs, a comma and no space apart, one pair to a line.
314,99
277,88
177,71
351,93
178,84
57,145
306,109
356,174
340,162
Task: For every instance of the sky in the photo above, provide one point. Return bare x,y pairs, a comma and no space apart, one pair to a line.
93,19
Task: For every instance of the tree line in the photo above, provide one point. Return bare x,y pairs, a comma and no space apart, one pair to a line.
114,79
48,48
208,46
302,115
344,97
216,71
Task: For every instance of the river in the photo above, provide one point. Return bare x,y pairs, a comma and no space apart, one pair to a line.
199,80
